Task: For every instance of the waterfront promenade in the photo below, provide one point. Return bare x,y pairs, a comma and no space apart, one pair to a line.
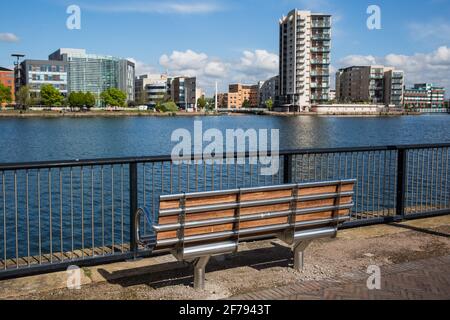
414,258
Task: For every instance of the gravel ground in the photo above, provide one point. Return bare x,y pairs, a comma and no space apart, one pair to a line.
266,264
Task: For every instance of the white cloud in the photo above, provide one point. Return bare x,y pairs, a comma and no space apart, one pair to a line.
142,67
251,67
431,67
8,37
358,60
436,30
161,7
183,60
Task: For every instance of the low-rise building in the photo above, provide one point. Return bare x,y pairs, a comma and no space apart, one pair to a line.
425,97
238,94
268,90
36,73
7,79
151,88
184,92
370,84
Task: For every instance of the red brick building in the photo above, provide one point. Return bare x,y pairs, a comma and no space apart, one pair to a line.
7,79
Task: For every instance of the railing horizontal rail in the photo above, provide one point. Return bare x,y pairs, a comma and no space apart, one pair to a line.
165,158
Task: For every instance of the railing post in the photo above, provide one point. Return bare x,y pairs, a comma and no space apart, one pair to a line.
133,206
287,168
401,182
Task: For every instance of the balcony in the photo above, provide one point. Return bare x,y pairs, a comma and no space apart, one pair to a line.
321,37
320,61
321,25
320,49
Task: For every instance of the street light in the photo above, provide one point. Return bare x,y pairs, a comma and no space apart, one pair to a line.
17,75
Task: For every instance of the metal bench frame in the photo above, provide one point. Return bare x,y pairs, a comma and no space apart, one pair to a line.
299,240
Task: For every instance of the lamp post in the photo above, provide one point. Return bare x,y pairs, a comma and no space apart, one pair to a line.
17,73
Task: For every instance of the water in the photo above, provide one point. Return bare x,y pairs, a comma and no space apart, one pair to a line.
39,139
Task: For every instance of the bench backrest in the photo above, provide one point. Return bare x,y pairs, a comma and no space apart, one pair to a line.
193,219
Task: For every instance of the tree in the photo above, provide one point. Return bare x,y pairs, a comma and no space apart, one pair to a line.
167,107
89,100
113,97
246,104
50,96
23,96
269,104
201,103
5,94
76,99
141,99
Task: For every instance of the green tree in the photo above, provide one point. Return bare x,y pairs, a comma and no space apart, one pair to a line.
246,104
89,100
169,106
50,96
5,94
76,99
201,103
23,96
269,104
113,97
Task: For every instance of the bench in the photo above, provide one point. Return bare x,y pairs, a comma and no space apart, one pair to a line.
196,226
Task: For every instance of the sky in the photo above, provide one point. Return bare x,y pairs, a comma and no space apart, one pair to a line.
230,40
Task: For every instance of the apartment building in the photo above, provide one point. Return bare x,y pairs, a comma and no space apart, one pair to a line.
183,92
96,73
36,73
424,97
370,84
268,90
239,93
305,46
7,79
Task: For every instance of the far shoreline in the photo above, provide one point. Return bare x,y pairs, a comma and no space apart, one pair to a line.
119,114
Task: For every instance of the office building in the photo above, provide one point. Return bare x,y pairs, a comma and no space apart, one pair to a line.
305,45
370,84
268,90
96,73
151,88
183,92
7,79
425,97
36,73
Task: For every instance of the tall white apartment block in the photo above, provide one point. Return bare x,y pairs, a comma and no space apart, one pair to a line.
305,45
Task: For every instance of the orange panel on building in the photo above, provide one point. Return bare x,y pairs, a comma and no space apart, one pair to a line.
7,79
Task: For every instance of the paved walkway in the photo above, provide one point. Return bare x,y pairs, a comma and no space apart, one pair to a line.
421,279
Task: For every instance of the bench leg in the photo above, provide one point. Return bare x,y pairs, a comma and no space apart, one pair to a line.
299,249
199,272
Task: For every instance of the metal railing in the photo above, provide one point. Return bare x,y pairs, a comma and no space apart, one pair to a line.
56,214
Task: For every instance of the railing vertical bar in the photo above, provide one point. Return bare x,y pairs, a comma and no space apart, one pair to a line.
82,210
28,217
61,215
4,222
71,213
16,219
102,177
92,212
133,189
50,210
112,209
122,211
39,215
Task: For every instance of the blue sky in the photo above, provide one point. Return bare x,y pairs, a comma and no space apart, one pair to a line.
232,40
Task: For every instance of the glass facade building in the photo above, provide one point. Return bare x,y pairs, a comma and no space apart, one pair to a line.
96,73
